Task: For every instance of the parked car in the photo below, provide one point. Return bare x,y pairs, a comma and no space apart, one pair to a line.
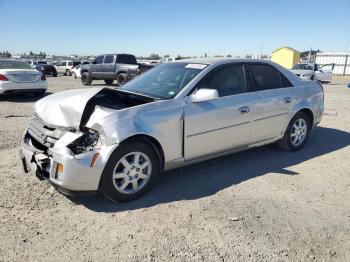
20,77
166,60
312,71
65,67
35,63
76,71
46,69
118,141
110,67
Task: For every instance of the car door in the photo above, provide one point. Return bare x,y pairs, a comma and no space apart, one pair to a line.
108,67
324,72
223,124
277,98
96,67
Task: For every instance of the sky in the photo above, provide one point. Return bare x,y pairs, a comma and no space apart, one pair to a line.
185,27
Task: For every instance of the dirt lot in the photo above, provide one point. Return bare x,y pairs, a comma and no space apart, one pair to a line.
259,205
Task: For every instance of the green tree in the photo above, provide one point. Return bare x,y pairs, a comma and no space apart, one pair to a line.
154,57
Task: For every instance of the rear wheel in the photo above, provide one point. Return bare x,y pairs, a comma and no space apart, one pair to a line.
109,81
86,79
68,73
297,133
130,172
122,79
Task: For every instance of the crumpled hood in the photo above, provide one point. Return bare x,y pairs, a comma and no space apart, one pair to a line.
301,72
64,109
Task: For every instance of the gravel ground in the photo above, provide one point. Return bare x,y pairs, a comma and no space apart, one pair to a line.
259,205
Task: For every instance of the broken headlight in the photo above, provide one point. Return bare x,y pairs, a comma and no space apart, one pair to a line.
89,141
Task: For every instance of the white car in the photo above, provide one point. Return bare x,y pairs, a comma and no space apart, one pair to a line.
76,72
65,67
167,60
312,71
19,76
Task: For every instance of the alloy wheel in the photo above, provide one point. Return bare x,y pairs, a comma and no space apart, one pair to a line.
299,132
132,173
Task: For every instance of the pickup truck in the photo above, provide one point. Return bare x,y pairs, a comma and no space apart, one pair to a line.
110,67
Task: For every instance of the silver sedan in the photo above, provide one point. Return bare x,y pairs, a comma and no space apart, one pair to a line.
118,141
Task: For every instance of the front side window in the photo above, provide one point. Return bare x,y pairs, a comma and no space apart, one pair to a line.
227,80
98,60
108,59
164,81
265,77
70,63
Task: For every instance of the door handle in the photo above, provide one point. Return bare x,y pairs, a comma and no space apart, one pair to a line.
287,100
244,109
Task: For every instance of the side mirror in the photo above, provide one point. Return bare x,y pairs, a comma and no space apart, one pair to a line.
204,94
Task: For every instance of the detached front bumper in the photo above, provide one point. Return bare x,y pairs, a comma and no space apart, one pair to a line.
70,174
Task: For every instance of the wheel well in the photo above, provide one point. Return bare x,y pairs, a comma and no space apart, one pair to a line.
83,71
122,72
309,113
152,142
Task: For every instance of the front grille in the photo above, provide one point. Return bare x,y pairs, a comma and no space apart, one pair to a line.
43,134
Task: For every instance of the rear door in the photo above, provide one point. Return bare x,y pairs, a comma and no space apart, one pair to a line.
108,67
277,99
95,67
223,124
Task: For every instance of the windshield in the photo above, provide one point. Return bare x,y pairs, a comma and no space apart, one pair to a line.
164,81
302,67
14,65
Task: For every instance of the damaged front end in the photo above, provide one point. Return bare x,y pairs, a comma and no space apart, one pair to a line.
60,146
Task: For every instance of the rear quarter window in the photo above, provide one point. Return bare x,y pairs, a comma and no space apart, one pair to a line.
126,59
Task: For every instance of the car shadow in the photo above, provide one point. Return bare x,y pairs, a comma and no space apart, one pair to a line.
209,177
22,97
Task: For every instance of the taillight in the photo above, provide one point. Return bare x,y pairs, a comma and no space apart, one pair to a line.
3,77
43,78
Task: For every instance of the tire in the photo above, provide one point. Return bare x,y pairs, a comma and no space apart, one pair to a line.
122,79
40,92
109,82
312,77
299,127
68,73
74,75
54,75
112,188
86,80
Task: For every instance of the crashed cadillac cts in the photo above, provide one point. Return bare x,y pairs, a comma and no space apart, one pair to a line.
118,141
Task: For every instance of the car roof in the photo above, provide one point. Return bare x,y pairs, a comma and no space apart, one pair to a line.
213,61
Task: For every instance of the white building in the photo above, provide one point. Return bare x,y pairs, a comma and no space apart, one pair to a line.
341,62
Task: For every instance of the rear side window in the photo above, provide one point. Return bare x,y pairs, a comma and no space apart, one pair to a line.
126,59
108,59
70,63
75,63
265,77
227,80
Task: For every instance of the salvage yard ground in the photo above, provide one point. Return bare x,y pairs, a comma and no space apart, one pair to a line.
259,205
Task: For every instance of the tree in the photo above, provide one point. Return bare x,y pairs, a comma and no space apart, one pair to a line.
31,53
166,56
229,56
205,55
154,57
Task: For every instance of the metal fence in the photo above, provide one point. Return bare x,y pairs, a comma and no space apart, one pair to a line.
341,62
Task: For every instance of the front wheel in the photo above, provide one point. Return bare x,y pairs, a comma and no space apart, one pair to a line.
130,172
297,133
86,79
